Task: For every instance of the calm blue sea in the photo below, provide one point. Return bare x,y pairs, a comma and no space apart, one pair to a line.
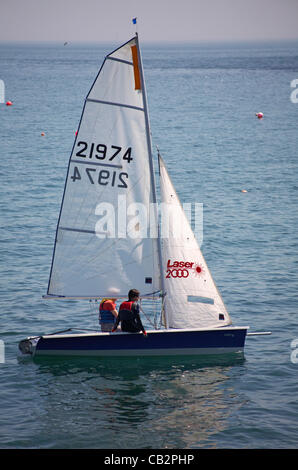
203,100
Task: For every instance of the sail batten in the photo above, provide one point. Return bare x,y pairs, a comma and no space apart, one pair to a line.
114,104
119,60
80,162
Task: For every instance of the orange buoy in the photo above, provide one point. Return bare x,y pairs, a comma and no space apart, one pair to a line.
243,191
8,103
259,115
42,134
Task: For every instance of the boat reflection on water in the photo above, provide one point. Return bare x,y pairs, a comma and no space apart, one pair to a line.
139,402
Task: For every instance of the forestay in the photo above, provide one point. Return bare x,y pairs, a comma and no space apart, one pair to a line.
102,248
192,299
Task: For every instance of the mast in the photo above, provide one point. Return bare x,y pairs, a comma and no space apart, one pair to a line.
149,145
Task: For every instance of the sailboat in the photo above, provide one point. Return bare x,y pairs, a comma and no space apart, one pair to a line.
98,253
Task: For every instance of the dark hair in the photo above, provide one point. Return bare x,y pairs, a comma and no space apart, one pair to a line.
133,293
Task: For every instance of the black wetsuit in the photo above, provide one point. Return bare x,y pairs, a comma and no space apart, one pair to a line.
129,316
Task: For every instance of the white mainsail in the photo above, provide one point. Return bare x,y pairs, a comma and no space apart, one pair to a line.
192,299
102,247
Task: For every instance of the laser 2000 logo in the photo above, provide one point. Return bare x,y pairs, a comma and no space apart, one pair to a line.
182,269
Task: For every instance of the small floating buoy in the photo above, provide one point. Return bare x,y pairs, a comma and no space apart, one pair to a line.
8,103
243,191
259,115
42,134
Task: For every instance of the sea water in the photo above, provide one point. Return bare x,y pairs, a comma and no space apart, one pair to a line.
202,99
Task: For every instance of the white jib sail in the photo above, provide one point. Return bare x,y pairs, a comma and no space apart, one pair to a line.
192,299
103,245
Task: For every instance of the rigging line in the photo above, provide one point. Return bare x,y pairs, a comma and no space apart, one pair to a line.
162,311
93,311
147,318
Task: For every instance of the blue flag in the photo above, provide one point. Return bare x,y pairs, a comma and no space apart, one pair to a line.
134,20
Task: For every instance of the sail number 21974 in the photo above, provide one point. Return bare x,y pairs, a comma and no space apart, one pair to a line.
102,177
95,154
102,151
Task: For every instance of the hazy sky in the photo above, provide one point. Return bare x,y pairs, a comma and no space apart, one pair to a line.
158,20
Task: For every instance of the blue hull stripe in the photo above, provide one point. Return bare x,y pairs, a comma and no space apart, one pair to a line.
171,342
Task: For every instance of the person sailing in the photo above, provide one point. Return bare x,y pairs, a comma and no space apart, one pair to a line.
129,314
107,314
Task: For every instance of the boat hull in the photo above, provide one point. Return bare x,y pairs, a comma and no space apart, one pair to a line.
212,341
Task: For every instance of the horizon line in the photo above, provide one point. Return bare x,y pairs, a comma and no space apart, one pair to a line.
66,43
